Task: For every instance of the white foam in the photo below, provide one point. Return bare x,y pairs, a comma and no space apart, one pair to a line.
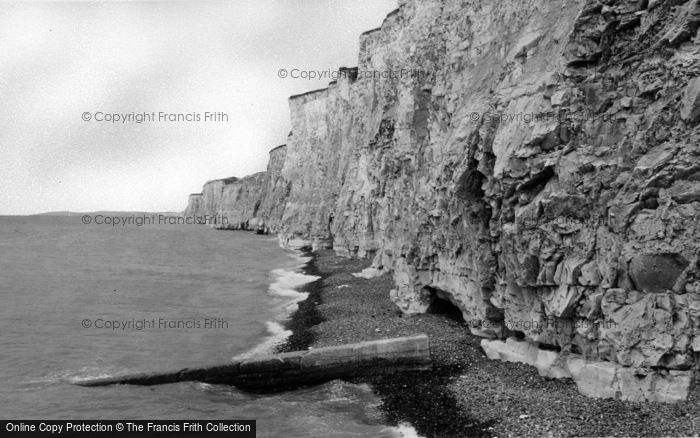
277,335
71,376
285,285
405,430
288,309
287,282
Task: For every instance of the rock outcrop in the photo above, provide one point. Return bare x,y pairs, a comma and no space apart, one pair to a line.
597,379
533,162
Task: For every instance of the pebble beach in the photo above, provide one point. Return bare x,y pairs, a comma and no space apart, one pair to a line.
464,394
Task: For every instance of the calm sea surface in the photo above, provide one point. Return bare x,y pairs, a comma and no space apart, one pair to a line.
81,301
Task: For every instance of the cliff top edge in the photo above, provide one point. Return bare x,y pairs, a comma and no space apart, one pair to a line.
367,32
386,18
308,93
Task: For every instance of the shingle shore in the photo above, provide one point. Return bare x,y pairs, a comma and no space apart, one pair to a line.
465,394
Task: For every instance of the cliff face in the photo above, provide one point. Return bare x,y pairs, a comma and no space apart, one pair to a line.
230,203
195,205
535,163
276,188
240,202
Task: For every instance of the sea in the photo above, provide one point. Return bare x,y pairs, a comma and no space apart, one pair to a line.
81,301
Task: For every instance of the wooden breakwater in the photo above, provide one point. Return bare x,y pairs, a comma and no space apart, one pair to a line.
299,368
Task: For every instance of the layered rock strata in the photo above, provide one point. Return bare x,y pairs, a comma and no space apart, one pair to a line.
534,163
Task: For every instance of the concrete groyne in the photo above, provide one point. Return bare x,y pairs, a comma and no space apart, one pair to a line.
299,368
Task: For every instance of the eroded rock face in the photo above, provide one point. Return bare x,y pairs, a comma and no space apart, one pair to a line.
230,203
195,205
240,202
535,162
690,108
656,273
597,379
274,193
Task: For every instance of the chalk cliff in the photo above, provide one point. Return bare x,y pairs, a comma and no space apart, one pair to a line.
230,203
534,162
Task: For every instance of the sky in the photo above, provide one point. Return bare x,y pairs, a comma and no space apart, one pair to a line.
66,68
